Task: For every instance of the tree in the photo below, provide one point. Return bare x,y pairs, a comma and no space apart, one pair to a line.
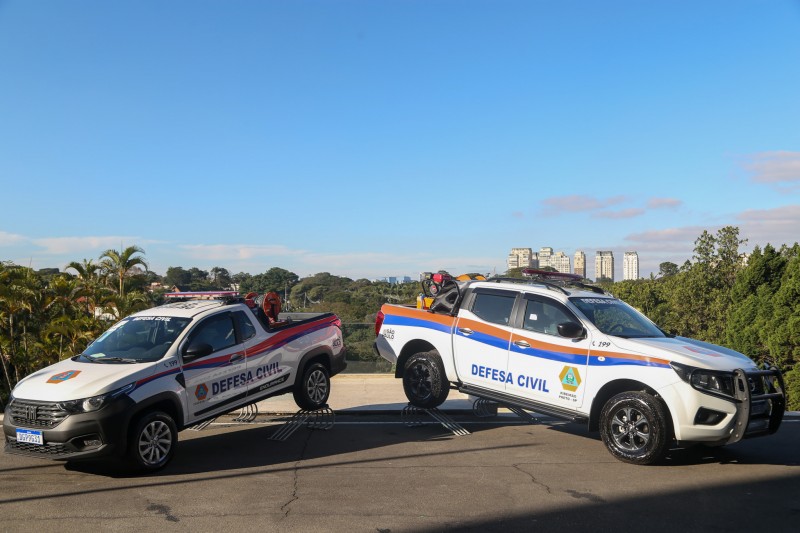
119,264
753,306
514,273
241,279
177,276
275,279
666,269
220,277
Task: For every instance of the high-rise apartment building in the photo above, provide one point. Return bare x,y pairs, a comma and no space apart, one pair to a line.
560,261
630,265
604,265
520,258
545,257
580,263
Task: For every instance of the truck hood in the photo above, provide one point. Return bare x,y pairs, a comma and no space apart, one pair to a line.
74,380
689,351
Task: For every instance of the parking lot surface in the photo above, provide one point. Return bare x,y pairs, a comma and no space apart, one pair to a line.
375,472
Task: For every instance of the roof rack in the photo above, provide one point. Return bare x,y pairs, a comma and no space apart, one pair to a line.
552,280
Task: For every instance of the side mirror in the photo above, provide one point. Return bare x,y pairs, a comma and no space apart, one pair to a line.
197,350
571,330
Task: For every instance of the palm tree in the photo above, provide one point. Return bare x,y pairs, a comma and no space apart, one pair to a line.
16,295
120,263
77,332
122,306
87,269
89,275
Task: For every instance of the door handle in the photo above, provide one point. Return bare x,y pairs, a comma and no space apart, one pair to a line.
522,344
465,331
235,358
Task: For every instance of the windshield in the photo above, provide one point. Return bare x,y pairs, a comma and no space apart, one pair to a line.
615,317
136,340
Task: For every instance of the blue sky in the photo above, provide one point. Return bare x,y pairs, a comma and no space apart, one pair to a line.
375,138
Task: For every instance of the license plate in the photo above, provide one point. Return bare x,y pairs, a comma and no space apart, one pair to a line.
31,436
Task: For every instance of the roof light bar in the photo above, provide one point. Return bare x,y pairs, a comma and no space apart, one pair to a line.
202,295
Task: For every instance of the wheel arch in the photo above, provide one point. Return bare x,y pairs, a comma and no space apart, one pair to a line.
321,355
618,386
166,402
412,347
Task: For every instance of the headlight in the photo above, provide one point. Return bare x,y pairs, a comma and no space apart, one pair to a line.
707,381
87,405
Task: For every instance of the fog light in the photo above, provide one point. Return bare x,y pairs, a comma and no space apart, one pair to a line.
707,417
92,443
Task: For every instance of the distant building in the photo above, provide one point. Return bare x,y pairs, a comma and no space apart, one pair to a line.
604,265
630,265
545,257
520,258
560,261
580,263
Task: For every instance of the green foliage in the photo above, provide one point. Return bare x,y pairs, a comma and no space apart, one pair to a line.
275,279
666,269
792,382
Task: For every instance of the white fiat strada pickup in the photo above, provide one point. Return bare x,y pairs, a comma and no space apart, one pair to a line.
556,346
162,370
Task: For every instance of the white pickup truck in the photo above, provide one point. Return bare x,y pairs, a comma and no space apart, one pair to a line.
559,347
162,370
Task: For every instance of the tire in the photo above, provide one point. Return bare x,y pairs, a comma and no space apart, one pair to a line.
424,381
152,441
312,391
634,428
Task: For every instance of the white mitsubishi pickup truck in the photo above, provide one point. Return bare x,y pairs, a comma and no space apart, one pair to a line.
556,346
162,370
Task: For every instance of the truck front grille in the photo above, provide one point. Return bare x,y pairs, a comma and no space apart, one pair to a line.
29,413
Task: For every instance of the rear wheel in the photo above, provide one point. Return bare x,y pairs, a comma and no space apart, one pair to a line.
424,381
312,391
634,428
152,441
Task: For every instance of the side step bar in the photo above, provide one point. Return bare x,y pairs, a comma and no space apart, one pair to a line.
529,405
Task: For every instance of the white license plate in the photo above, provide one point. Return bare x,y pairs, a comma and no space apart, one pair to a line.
31,436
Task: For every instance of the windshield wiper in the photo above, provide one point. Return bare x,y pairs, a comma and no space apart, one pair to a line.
115,360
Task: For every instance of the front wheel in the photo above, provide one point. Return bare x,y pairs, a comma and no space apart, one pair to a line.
312,391
424,381
634,428
153,441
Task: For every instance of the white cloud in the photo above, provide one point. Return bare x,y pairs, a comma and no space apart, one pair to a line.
226,252
576,203
776,226
663,203
7,239
74,245
624,213
776,168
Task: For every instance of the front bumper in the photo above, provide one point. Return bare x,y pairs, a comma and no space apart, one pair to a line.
755,408
77,436
760,411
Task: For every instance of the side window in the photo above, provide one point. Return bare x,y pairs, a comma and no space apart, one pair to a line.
246,327
493,308
543,316
216,331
